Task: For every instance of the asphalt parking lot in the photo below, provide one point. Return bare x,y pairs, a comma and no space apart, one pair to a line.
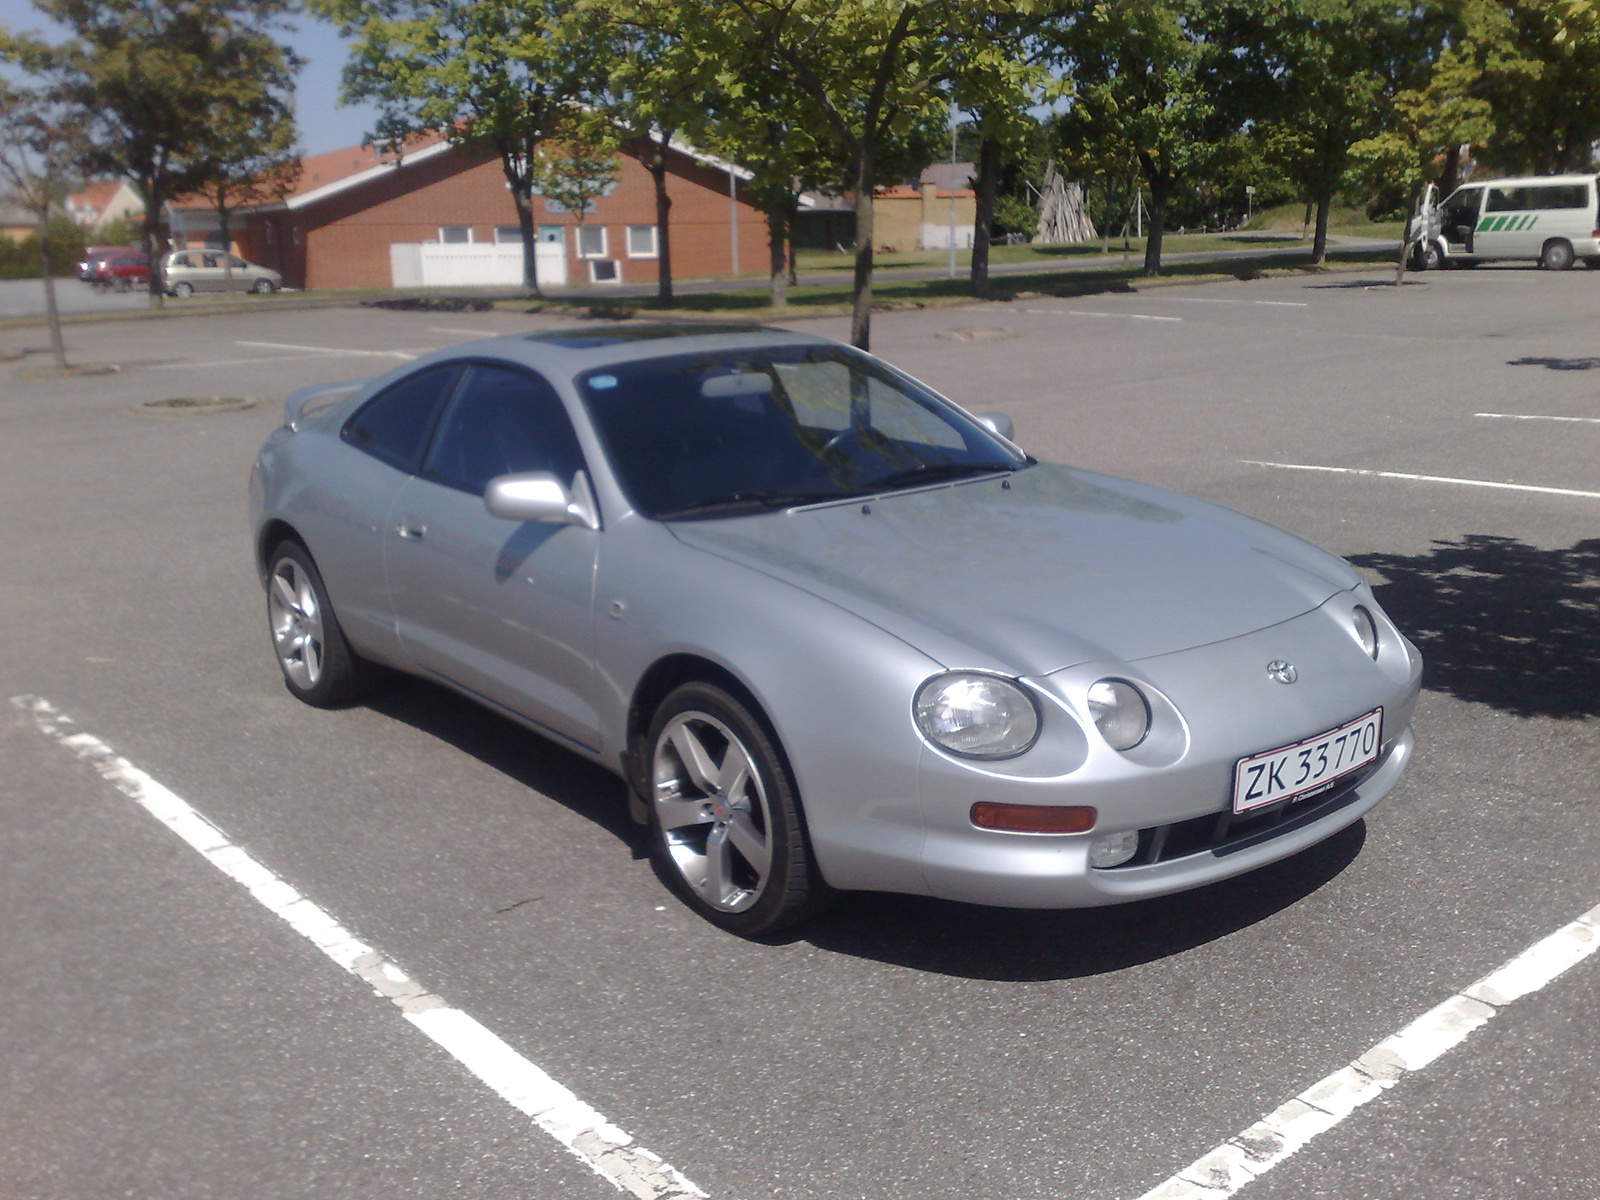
169,1036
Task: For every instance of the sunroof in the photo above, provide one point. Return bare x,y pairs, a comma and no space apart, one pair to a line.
594,336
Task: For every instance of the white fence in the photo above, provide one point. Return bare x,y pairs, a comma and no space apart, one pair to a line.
936,235
485,264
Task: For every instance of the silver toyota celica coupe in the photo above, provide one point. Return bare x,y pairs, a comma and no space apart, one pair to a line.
835,632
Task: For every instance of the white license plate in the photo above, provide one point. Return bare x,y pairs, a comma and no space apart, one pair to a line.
1309,766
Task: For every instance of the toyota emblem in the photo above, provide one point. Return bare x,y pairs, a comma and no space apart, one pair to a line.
1283,672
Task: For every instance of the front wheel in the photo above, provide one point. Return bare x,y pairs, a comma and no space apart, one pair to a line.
725,824
1432,257
183,290
317,663
1556,256
262,287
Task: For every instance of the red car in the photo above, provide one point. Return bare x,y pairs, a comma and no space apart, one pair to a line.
119,271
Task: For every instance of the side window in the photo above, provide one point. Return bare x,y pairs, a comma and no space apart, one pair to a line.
394,424
504,421
1507,200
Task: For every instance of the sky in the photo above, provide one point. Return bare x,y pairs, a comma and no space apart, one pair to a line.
324,123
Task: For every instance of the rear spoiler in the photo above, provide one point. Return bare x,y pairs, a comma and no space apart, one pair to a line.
299,405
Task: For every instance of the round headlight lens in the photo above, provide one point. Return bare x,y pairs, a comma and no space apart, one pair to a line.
977,716
1366,630
1120,712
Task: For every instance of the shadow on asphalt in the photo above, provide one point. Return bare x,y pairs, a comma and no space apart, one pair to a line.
533,761
1557,364
1350,284
1500,622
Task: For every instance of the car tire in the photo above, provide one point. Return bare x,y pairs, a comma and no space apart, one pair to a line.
183,290
263,287
1556,255
726,829
1432,257
318,665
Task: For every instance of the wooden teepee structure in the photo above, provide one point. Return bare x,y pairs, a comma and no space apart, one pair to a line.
1062,218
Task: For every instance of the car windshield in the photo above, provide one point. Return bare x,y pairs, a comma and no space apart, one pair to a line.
738,431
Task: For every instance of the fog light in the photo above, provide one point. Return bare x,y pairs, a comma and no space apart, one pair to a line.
1114,849
1032,818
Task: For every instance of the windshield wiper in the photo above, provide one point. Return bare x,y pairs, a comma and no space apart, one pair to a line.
742,502
937,472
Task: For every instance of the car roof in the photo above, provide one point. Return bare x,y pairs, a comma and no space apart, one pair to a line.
1525,181
574,350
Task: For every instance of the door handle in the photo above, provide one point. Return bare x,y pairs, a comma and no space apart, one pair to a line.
411,531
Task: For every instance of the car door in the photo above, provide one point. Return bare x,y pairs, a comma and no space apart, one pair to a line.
1458,220
350,485
1509,226
501,608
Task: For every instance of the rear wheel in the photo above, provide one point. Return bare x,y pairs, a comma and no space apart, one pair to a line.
1556,256
317,663
262,287
725,823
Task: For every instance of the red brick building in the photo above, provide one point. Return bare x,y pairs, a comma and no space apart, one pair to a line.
360,218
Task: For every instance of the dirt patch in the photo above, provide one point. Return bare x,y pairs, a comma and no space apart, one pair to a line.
184,406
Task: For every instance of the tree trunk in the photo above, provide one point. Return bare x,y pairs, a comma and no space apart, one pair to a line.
150,237
47,273
1319,244
861,311
522,200
1305,223
1160,185
1452,169
227,246
1411,211
983,220
658,173
778,257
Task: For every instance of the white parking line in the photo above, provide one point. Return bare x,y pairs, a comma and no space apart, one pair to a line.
234,362
1067,312
1253,1152
472,332
608,1151
1216,300
331,350
1482,483
1531,417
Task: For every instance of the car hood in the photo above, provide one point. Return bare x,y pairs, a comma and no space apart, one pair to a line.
1058,568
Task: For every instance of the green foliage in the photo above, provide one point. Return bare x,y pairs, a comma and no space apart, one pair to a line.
576,174
1016,215
20,259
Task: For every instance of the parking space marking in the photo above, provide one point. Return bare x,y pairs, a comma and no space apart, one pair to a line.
472,332
234,362
1218,300
607,1150
1068,312
332,350
1533,417
1482,483
1253,1152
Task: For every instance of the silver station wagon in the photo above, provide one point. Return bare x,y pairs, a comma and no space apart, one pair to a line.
185,272
834,632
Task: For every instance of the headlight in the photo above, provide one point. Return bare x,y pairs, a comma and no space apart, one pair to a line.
976,716
1366,630
1120,712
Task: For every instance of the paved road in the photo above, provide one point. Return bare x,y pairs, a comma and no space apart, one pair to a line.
25,298
166,1036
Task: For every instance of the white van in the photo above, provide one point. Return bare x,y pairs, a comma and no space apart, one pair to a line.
1552,219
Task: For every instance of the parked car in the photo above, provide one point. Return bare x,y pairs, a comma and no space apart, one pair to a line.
833,631
186,272
1552,220
120,271
93,254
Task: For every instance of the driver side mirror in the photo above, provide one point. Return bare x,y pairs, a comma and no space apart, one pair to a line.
541,496
998,423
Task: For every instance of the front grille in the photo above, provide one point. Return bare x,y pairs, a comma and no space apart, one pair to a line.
1225,832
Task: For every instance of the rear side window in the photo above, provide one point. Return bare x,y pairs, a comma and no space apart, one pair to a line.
504,421
1538,198
394,424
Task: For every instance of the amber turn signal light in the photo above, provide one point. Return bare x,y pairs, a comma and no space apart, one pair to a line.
1033,818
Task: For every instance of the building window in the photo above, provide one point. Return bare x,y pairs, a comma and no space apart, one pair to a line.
591,241
604,270
641,241
508,235
554,235
455,235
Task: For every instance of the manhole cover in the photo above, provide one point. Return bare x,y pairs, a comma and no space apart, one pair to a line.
978,335
181,406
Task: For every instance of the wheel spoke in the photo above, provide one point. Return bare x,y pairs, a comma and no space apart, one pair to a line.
751,843
702,770
734,772
677,813
720,888
311,656
283,591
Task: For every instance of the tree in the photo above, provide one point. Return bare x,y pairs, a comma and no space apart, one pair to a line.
502,76
41,141
154,75
871,72
1141,94
1539,61
582,170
